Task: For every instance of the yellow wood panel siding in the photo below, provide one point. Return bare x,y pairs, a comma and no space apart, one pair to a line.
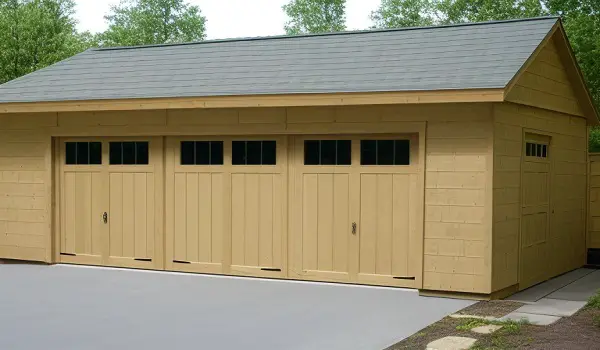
24,189
568,188
593,240
546,84
457,190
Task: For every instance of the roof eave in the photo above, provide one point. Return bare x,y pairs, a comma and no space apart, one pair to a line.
249,101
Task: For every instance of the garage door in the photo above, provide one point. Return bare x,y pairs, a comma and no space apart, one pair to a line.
226,205
356,206
535,211
109,199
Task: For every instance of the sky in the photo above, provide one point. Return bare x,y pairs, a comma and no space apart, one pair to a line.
230,18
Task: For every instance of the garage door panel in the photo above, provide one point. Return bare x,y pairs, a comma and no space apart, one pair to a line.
325,222
132,215
257,223
82,230
198,211
385,225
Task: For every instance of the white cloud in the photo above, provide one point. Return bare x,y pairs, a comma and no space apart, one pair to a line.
230,18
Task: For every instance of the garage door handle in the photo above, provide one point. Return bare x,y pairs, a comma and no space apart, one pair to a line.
105,217
354,228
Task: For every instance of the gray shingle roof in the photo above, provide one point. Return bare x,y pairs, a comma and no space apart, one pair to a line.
480,55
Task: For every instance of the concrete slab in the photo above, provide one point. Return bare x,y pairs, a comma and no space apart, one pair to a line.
67,307
580,290
540,320
489,329
452,343
552,307
541,290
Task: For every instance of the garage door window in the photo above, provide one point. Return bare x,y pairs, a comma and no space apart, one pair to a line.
83,153
254,153
202,153
385,152
129,153
327,152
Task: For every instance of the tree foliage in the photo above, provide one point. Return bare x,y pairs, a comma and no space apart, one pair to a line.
146,22
315,16
35,34
581,19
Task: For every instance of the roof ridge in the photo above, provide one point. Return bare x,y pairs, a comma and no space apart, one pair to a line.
353,32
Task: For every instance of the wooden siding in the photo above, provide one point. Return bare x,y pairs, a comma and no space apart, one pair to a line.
546,83
457,196
593,239
25,188
457,192
567,152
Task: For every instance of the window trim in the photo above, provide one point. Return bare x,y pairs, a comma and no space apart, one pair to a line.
76,143
304,142
537,150
135,142
377,139
195,143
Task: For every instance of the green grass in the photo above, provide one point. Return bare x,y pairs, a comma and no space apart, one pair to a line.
594,301
508,326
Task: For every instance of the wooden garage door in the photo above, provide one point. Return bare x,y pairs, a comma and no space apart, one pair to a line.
356,209
226,205
110,190
535,212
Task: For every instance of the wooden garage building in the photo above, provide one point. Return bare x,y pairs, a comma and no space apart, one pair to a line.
444,159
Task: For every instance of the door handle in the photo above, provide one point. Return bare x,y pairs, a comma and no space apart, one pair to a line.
354,228
105,217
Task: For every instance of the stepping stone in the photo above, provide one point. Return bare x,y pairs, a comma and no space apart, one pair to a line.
552,307
489,329
540,320
452,343
542,290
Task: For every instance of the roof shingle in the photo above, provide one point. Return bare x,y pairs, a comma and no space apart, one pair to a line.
479,55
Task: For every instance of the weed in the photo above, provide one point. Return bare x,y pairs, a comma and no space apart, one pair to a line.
470,323
594,301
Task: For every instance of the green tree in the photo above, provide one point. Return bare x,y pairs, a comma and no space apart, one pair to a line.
315,16
35,34
146,22
404,13
460,11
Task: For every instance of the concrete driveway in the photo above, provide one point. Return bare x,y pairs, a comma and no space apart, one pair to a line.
67,307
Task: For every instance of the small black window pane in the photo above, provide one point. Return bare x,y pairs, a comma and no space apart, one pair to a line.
253,152
385,152
539,150
216,153
344,152
71,153
128,153
269,152
311,152
238,153
187,152
116,153
142,153
402,152
328,152
202,153
95,153
83,153
528,149
368,152
545,151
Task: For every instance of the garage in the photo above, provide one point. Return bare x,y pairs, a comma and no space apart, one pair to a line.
449,163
